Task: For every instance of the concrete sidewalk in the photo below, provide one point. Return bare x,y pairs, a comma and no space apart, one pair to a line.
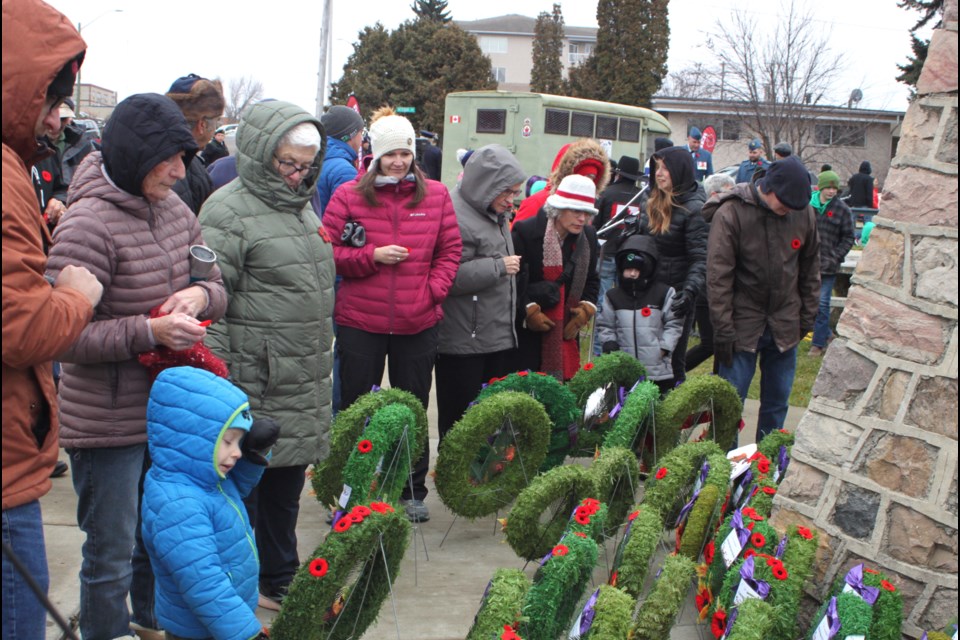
434,599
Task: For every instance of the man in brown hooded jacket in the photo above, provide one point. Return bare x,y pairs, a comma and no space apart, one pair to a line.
42,52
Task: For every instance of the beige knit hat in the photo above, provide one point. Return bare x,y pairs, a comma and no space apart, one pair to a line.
389,132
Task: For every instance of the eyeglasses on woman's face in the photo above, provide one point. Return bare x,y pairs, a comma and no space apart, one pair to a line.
287,168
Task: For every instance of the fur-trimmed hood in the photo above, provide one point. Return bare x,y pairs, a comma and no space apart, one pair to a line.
576,153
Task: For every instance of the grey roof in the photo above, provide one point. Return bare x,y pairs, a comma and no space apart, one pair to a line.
515,24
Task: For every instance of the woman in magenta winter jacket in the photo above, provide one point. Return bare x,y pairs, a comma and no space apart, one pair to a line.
396,244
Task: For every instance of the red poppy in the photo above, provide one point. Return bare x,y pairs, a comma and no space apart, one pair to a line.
889,587
763,466
355,518
645,312
780,573
580,534
796,244
661,473
751,513
719,623
829,214
783,431
873,571
702,599
323,233
318,567
364,446
509,633
591,504
582,517
47,176
803,532
773,563
381,507
588,366
361,510
708,552
522,374
613,579
342,525
749,553
560,550
633,516
541,373
758,540
493,380
750,526
770,491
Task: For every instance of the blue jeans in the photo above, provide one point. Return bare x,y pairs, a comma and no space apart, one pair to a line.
109,486
821,327
776,380
24,618
608,280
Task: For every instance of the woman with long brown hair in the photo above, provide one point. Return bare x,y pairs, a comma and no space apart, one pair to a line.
671,215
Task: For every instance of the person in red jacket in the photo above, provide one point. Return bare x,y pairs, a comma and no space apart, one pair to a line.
396,243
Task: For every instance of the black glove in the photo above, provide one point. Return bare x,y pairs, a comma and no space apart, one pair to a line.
263,434
682,303
610,346
723,352
545,293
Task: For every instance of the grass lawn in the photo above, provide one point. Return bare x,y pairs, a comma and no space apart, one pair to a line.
807,369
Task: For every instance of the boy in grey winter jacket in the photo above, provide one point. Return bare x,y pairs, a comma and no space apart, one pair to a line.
638,316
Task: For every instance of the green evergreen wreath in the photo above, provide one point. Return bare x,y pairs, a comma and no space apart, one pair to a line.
612,611
377,467
886,613
690,397
677,470
659,611
706,509
562,489
327,477
713,556
338,591
754,621
557,586
639,543
853,612
637,407
560,404
470,435
617,476
501,604
770,444
619,368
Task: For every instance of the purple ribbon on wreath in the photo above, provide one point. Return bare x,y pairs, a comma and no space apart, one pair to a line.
731,619
704,470
833,618
781,548
742,485
782,461
589,611
339,513
746,574
621,399
854,578
736,523
375,388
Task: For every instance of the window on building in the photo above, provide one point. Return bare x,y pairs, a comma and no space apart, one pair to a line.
606,128
581,124
629,130
557,121
493,44
498,74
840,135
727,129
579,52
491,120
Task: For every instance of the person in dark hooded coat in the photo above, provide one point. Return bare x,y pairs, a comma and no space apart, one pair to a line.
861,187
671,215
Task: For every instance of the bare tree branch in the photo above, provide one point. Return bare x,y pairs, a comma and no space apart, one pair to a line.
241,93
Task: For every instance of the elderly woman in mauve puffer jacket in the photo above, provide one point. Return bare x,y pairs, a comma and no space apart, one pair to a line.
397,245
126,225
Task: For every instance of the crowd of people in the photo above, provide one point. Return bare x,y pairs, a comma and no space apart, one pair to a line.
211,383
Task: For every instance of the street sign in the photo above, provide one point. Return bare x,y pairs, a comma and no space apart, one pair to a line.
406,109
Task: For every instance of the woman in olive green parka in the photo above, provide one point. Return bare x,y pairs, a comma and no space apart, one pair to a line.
277,333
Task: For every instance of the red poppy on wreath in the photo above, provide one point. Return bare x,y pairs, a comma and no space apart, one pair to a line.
758,540
493,380
560,550
582,517
873,571
719,623
661,473
708,552
633,516
763,466
509,633
364,446
613,579
361,510
749,553
580,534
783,431
591,503
323,233
751,513
780,573
540,373
772,562
796,244
523,374
805,533
355,518
703,599
770,491
47,176
889,587
318,567
381,507
750,526
645,312
588,366
342,525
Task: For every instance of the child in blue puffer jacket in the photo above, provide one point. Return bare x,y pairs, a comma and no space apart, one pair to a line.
207,455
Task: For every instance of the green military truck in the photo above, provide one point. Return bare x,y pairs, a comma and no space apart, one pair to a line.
535,125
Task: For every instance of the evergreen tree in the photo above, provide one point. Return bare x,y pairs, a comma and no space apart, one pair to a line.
433,10
929,9
547,73
629,62
415,66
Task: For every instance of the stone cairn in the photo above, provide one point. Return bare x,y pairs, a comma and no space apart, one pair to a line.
875,461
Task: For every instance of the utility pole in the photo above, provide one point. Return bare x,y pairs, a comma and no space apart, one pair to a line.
326,40
80,70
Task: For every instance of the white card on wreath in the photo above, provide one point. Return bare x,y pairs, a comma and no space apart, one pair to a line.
822,632
856,638
345,496
744,591
740,459
731,548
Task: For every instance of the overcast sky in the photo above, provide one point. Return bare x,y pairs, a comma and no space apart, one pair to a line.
149,44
